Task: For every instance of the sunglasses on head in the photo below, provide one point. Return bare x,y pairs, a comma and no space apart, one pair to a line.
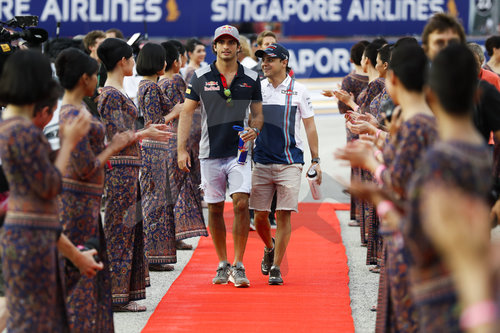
227,93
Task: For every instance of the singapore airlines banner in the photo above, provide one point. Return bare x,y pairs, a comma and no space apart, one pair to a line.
187,18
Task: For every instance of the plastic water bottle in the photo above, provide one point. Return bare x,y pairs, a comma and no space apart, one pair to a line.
242,146
312,177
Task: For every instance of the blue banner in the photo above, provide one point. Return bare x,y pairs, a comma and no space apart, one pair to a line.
313,60
368,17
325,59
187,18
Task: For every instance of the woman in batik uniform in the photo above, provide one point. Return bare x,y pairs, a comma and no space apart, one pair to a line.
188,213
157,203
376,83
196,52
122,228
375,242
31,236
383,58
88,300
460,160
354,83
195,134
401,157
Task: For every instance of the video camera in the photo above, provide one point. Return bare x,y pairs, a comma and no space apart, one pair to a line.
34,36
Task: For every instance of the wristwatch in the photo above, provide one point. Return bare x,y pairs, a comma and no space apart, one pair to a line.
316,160
256,130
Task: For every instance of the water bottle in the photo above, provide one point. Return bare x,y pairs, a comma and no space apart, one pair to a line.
242,146
312,177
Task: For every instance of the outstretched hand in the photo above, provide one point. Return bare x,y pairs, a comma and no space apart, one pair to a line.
369,118
328,93
122,140
358,153
344,96
157,132
361,127
352,116
367,191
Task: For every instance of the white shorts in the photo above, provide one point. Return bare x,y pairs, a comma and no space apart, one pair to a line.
219,173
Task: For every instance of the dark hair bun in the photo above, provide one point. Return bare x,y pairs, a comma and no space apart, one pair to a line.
113,50
71,64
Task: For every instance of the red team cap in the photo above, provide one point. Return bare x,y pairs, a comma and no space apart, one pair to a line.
227,30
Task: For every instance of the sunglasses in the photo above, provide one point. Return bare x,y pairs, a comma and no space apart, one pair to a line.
227,93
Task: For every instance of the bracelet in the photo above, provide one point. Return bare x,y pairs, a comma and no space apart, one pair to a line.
384,207
377,133
378,173
478,314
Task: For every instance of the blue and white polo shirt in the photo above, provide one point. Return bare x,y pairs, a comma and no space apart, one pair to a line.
284,107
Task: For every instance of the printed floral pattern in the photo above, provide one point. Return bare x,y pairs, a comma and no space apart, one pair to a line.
30,259
122,223
88,299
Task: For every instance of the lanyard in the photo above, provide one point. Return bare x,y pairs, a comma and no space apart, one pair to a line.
224,82
227,91
286,121
289,94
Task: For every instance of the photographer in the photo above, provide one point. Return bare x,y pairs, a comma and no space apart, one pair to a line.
91,42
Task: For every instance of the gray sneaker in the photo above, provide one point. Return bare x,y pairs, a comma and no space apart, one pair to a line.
275,276
222,273
238,277
267,260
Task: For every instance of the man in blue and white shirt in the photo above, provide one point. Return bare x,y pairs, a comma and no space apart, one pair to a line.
278,154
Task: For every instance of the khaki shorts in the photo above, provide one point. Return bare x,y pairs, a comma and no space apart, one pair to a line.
281,178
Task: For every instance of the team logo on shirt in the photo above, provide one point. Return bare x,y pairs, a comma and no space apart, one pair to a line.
245,85
289,92
309,103
212,86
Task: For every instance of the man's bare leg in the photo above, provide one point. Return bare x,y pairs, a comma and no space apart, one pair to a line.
218,229
263,227
241,225
283,233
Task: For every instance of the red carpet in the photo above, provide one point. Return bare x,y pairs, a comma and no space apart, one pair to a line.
314,298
